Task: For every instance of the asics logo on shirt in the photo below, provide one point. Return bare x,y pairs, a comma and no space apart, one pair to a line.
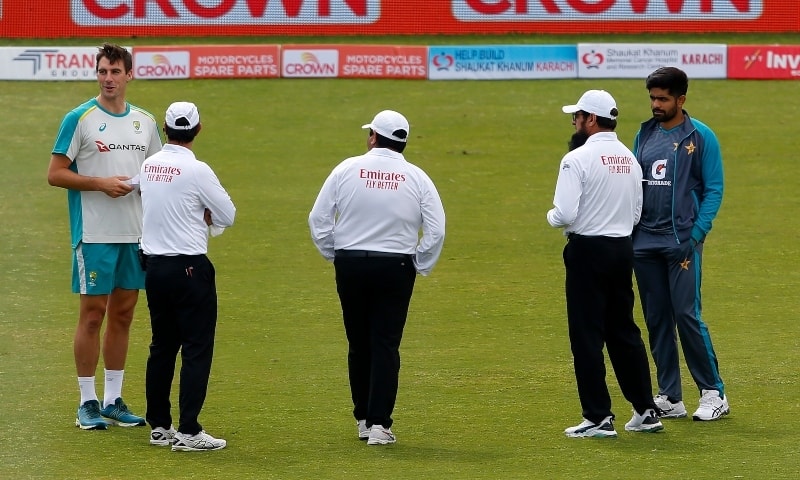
102,127
102,147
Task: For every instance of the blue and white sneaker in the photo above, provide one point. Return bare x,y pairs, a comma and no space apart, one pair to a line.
604,429
88,417
119,414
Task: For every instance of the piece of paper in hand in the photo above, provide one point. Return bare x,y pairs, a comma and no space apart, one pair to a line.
215,230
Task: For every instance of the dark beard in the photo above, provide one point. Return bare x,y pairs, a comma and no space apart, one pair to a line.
577,140
664,116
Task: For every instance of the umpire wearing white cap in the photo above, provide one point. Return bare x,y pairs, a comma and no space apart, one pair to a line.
367,219
598,200
181,198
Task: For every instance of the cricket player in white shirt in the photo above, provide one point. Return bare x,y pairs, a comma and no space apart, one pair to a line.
367,220
597,202
181,199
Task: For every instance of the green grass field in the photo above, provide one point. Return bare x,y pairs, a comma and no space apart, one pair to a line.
487,385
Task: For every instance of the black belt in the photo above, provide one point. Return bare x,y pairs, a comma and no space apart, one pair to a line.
573,236
176,257
368,254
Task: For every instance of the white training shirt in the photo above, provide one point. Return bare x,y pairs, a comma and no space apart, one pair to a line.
176,189
599,189
379,202
104,144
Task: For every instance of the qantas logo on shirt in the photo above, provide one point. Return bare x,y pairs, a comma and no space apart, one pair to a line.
102,147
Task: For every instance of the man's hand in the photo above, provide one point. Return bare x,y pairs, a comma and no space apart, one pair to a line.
207,216
114,186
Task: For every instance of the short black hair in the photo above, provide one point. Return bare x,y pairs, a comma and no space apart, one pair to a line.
608,123
385,142
181,136
672,79
114,53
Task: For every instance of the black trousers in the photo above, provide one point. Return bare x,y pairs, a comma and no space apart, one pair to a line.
599,289
182,298
375,293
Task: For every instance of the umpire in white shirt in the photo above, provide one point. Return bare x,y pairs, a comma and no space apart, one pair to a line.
181,200
367,220
598,200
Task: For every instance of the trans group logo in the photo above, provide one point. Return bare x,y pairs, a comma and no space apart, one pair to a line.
34,56
67,63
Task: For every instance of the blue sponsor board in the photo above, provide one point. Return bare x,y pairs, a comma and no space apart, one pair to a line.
502,62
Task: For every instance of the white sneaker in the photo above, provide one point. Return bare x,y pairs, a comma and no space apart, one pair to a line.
712,407
646,422
162,437
197,443
363,431
380,436
669,409
604,429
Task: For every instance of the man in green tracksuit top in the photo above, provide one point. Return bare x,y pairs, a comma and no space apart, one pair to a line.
682,192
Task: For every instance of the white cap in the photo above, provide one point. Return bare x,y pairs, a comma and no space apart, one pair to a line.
391,125
599,102
182,110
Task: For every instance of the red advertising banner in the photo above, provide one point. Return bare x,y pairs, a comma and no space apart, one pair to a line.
355,61
764,62
206,61
96,18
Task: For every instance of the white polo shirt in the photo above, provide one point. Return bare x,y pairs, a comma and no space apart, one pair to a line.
104,144
379,202
599,189
176,189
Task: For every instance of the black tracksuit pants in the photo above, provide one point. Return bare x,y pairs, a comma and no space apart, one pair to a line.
375,293
182,298
599,289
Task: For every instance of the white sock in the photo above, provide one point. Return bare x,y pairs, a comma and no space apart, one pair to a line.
113,386
86,385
